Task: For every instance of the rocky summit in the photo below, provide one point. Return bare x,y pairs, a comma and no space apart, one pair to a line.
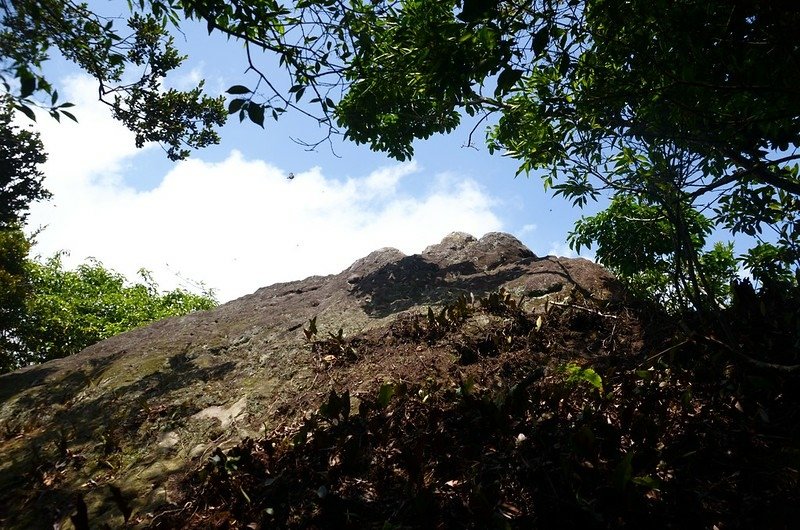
118,424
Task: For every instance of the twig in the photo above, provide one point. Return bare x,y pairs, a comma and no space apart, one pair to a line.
168,512
587,309
790,369
659,354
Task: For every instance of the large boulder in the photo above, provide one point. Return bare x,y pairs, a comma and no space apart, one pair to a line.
133,410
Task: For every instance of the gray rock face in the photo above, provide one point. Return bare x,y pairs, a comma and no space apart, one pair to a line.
487,253
167,393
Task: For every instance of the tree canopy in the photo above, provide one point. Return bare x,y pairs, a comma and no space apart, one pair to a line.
687,107
21,153
48,312
129,64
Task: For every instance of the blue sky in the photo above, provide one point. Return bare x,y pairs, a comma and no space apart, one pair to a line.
230,218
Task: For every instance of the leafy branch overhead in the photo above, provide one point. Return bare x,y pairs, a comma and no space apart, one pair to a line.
130,65
21,179
686,109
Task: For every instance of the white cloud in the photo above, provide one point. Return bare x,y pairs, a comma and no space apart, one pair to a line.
238,224
190,79
561,249
97,146
186,78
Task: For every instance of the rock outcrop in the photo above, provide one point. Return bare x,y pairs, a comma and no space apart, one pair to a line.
134,409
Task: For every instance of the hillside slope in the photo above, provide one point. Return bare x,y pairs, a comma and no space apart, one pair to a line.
135,409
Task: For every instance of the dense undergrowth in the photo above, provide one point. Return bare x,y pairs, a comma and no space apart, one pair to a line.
574,417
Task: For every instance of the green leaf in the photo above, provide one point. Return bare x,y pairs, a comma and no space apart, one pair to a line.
623,472
385,394
312,326
577,374
465,387
256,114
475,10
593,378
647,482
337,406
506,80
69,115
26,110
27,84
235,105
238,89
540,40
